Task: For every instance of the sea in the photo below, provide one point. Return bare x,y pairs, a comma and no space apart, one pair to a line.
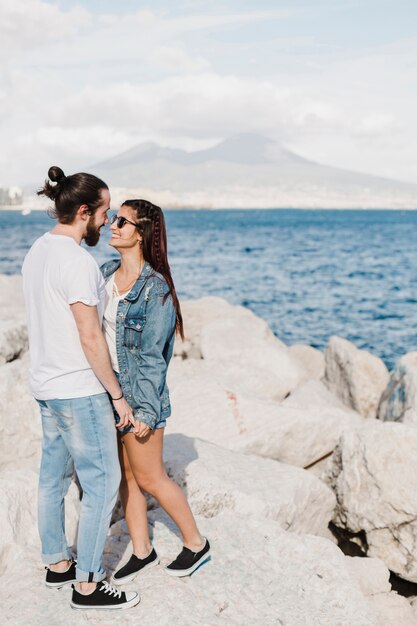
309,273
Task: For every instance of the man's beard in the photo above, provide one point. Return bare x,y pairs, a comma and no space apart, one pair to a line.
92,235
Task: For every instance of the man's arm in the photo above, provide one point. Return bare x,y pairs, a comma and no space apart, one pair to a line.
97,354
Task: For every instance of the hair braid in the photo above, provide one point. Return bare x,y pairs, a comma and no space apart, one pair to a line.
156,219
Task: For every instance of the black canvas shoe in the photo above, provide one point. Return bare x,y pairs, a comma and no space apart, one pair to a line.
188,561
104,597
56,580
135,565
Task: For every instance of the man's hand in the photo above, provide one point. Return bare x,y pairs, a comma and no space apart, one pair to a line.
125,413
141,429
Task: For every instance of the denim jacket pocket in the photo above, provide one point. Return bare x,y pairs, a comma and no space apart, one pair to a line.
133,327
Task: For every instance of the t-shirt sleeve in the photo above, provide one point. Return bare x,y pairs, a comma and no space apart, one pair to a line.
81,282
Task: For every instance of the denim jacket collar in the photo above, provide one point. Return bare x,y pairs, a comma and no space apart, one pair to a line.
111,266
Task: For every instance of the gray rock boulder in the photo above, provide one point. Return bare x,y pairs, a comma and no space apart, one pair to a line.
398,402
373,477
356,376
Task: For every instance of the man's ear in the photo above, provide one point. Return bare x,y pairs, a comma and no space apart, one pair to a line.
83,212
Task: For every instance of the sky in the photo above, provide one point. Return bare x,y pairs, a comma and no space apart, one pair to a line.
333,80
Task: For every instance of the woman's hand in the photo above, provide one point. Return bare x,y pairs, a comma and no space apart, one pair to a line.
141,429
124,412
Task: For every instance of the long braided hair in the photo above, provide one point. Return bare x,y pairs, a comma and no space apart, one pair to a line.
151,225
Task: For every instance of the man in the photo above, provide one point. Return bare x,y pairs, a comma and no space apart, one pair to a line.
71,378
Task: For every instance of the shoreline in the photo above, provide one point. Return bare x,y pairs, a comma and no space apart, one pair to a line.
26,211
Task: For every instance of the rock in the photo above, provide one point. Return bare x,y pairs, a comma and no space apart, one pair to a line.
289,579
203,407
314,393
18,513
373,578
196,314
20,421
227,336
392,609
371,574
298,500
310,359
399,400
356,376
373,478
247,356
13,331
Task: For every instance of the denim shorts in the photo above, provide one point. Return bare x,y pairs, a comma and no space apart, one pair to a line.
129,429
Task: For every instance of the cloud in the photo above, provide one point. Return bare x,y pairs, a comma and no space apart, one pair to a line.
25,24
78,86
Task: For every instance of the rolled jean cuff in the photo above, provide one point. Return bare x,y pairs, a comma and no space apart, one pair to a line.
89,577
49,559
145,418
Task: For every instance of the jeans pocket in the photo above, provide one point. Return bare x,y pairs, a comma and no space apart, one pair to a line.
62,411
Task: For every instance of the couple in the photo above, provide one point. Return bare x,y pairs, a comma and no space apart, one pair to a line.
100,344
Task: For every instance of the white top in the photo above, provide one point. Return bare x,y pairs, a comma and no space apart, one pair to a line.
58,272
113,298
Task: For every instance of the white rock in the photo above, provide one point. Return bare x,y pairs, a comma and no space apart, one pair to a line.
217,479
373,477
371,574
13,331
20,421
203,407
196,314
288,579
399,400
393,610
310,359
239,348
18,513
314,393
247,356
356,376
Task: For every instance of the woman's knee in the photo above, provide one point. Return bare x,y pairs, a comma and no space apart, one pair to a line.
152,483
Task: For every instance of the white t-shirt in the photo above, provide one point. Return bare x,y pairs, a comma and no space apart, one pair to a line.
58,272
113,298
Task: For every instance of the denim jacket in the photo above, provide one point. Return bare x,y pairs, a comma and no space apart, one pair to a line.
145,334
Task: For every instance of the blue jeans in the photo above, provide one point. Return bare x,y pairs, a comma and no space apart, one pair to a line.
78,433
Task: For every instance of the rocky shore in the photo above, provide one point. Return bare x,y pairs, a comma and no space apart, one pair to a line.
279,449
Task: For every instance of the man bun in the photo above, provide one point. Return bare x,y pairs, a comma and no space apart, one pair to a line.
56,174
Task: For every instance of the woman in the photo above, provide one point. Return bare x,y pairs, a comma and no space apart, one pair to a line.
141,317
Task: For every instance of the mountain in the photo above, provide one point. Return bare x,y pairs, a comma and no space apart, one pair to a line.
247,171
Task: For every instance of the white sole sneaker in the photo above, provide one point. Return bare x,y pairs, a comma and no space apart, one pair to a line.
117,607
187,572
127,579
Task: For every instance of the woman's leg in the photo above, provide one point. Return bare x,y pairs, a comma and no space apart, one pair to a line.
134,506
146,465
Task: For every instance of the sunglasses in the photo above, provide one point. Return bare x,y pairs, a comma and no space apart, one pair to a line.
121,221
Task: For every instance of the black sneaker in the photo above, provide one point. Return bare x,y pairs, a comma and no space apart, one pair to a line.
135,565
104,597
56,580
188,561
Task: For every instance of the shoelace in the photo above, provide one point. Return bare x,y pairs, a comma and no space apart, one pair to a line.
112,591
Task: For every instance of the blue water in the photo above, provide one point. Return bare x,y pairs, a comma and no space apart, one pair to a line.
310,274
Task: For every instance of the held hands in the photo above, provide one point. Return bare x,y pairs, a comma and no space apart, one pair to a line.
141,429
125,413
126,417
